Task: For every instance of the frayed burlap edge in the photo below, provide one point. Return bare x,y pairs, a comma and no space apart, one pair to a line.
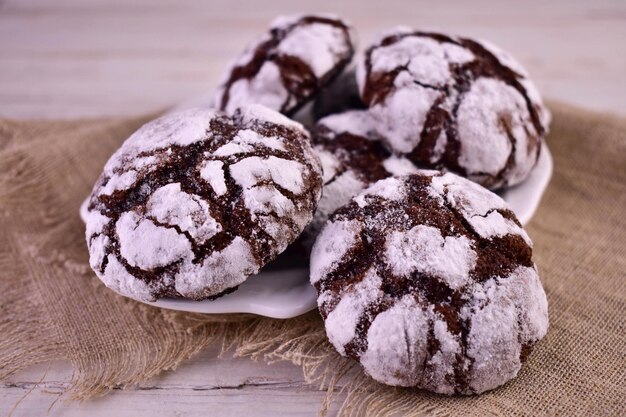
52,308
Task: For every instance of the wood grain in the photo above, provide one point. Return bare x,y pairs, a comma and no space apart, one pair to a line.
203,386
72,58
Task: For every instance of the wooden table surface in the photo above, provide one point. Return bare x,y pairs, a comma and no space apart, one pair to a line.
72,58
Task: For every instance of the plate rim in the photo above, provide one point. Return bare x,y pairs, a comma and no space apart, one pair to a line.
542,171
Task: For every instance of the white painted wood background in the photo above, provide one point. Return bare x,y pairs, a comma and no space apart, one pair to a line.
73,58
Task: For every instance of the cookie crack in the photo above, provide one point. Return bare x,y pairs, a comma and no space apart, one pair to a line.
196,248
506,75
429,86
266,52
236,220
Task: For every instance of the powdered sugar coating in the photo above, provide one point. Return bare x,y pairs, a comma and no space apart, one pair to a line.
402,116
423,248
335,241
209,200
457,303
344,318
283,172
487,106
403,329
495,308
391,189
286,67
454,104
219,271
146,245
213,173
352,159
483,214
190,213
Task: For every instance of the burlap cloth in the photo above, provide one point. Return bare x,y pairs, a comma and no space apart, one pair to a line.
52,306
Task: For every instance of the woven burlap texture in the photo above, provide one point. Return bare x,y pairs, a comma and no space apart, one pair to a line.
52,307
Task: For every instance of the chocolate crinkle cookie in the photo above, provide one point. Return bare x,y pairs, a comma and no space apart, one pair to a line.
286,67
196,201
454,104
428,281
353,157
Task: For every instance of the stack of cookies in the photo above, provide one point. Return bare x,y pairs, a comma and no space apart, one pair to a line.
382,170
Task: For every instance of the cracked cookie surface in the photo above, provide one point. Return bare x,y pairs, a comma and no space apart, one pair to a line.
353,157
194,202
428,281
284,68
455,104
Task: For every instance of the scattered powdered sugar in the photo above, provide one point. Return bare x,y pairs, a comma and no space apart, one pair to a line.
265,87
336,194
361,70
267,199
481,126
456,54
94,221
332,244
431,67
400,118
526,288
213,173
230,148
316,44
397,343
440,147
117,278
283,172
389,188
170,206
464,195
477,205
342,142
398,165
221,270
500,305
248,54
174,129
97,249
441,363
545,117
142,162
243,59
246,141
330,164
253,113
341,323
145,245
181,129
119,182
251,137
422,247
495,225
356,122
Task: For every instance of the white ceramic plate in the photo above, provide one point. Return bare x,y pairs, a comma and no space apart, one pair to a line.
283,291
525,197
